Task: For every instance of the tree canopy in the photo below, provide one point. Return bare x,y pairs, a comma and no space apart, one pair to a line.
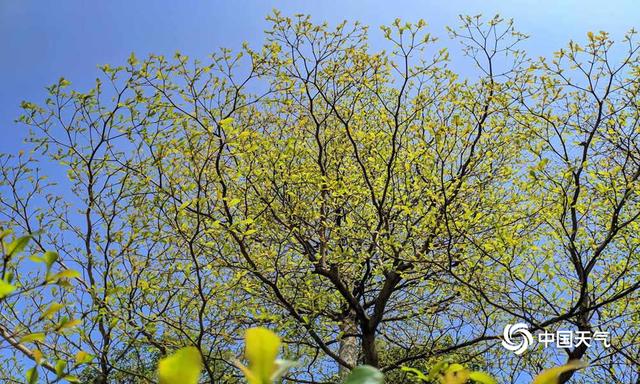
375,207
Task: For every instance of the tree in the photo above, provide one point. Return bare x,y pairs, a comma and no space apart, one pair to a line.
377,207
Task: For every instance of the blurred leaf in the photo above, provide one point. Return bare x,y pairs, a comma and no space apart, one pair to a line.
60,366
182,367
365,374
282,366
261,350
32,375
455,374
17,245
437,369
226,123
83,357
5,233
481,377
32,337
418,374
66,274
66,324
551,375
50,257
37,356
53,308
5,289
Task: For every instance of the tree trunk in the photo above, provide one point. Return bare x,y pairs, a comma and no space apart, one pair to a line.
369,350
348,343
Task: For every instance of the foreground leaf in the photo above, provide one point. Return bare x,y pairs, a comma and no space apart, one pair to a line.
455,374
551,375
282,366
33,337
182,367
17,245
32,375
51,310
481,377
5,289
261,350
66,274
365,374
83,357
417,373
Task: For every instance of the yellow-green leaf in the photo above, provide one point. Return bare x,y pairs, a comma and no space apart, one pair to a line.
5,289
481,377
53,308
551,375
455,374
66,324
60,366
182,367
261,350
5,233
65,274
50,257
417,373
17,245
32,337
32,375
226,123
83,357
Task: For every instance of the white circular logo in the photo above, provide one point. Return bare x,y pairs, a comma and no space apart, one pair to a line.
519,331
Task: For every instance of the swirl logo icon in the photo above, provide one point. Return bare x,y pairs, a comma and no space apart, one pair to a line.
515,331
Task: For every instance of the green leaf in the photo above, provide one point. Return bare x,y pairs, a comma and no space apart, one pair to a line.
32,375
66,324
53,308
418,374
6,289
455,374
49,258
133,61
83,357
60,366
552,375
63,82
226,123
481,377
66,274
182,367
17,245
437,369
184,205
261,349
5,233
365,374
32,337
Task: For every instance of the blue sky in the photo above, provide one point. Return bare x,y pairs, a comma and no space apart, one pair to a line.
43,40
